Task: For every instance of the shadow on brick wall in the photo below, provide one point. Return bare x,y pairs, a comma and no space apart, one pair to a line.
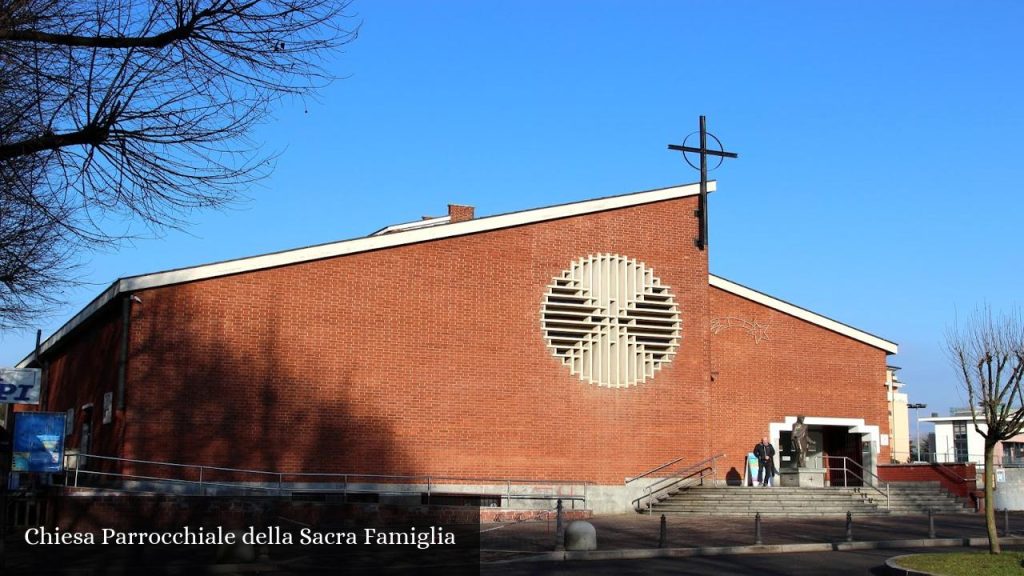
227,388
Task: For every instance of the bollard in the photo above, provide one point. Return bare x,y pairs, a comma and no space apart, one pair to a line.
1006,521
931,524
849,527
559,527
663,534
757,529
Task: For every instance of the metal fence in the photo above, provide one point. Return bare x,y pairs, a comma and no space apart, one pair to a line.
950,457
132,475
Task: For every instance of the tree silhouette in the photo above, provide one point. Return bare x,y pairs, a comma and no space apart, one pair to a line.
988,353
118,111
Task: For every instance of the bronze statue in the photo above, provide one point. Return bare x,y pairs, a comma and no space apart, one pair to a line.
801,441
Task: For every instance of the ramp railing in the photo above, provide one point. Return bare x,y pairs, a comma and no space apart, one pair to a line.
669,478
133,475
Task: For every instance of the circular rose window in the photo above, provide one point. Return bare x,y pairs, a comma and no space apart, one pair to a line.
610,320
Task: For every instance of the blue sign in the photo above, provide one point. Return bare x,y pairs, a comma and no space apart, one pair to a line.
753,470
38,442
19,386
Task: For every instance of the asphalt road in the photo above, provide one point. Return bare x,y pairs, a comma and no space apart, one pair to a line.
859,563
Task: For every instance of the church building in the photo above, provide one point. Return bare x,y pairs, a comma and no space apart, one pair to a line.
579,343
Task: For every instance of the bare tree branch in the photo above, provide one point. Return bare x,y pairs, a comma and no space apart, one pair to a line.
142,110
988,353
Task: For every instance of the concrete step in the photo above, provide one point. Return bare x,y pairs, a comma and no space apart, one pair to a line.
925,503
906,499
771,514
769,504
725,505
773,496
925,510
751,505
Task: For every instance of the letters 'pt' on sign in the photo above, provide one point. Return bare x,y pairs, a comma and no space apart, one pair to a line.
20,386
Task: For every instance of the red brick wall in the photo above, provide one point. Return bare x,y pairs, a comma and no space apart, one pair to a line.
796,369
80,372
420,359
959,479
429,359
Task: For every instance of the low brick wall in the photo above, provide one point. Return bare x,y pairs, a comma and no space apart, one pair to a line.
491,515
92,513
958,479
133,512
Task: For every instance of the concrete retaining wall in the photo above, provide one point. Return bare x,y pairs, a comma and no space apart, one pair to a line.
1010,493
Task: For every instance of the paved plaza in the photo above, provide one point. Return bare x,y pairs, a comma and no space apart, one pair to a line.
635,531
626,544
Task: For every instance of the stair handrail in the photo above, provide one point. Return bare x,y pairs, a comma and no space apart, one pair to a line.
700,469
653,470
865,471
963,479
970,484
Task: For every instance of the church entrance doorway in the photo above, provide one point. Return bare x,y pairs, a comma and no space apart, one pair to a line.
842,455
846,449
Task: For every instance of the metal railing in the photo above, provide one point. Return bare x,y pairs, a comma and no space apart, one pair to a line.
195,479
948,470
849,468
672,481
1000,460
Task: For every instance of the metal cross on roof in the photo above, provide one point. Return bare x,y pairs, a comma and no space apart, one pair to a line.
702,208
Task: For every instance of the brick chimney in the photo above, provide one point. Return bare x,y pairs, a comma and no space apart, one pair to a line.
459,213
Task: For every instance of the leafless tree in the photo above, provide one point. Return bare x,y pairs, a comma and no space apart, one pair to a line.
36,260
988,353
119,111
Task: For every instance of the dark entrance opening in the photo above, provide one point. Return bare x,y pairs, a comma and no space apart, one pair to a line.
842,456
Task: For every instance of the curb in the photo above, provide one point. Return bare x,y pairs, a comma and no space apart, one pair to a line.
182,570
646,553
894,570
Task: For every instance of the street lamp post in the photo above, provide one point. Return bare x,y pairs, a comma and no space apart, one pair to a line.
917,416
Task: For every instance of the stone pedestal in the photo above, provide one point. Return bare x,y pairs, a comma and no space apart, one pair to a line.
580,535
803,477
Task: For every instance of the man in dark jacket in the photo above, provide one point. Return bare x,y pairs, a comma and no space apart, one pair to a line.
765,453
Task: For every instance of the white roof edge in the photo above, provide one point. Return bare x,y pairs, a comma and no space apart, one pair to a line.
365,244
90,309
424,223
415,236
802,313
950,419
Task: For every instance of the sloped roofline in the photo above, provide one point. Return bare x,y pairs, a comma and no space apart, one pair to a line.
485,224
802,313
363,244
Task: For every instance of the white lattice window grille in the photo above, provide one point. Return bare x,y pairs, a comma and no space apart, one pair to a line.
610,320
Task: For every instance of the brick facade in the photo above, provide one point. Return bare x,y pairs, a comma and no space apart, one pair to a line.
768,365
428,358
79,373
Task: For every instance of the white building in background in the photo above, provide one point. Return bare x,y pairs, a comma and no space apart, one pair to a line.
899,421
957,440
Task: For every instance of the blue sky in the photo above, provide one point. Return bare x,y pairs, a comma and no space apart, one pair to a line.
878,178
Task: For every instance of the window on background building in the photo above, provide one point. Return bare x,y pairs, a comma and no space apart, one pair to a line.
1013,453
960,441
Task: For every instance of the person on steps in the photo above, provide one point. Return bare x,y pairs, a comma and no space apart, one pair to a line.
765,453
